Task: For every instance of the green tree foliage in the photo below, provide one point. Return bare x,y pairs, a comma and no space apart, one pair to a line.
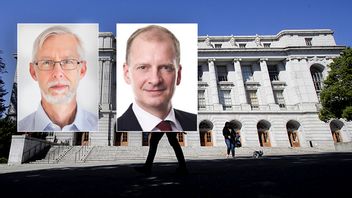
336,96
7,125
7,129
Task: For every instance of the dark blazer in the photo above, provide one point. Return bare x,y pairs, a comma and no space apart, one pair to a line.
128,121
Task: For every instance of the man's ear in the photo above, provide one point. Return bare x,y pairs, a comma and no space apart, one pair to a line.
83,69
32,71
179,71
126,73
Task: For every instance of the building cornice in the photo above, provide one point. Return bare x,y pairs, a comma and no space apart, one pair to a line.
284,49
267,37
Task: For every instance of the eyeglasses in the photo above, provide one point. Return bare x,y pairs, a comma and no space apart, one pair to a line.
66,64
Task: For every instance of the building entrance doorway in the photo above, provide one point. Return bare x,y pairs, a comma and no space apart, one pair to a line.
263,133
264,139
81,138
181,138
205,138
121,139
292,128
293,138
336,128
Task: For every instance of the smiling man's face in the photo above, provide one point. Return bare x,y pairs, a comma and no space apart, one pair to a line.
152,72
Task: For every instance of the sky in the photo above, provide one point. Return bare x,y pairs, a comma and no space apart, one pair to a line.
214,18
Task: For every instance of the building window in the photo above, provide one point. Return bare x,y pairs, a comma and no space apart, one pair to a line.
308,41
317,77
273,73
218,45
242,45
267,45
200,73
279,98
247,73
201,99
222,73
253,99
225,99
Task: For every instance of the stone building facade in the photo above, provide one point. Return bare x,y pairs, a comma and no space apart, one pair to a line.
267,86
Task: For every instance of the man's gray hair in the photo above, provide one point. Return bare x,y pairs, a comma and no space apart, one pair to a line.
52,31
157,36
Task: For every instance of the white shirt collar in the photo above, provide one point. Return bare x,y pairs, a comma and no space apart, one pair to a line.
148,121
43,122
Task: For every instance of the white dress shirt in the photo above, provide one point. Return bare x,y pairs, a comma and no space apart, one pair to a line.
148,121
39,121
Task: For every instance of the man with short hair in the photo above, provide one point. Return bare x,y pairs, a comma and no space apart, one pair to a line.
58,65
153,70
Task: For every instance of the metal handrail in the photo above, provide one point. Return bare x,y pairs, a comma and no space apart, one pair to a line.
55,154
80,152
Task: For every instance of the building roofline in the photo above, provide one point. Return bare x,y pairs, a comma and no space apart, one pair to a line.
106,34
273,37
281,49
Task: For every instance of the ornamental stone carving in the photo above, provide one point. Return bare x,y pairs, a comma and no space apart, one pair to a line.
257,40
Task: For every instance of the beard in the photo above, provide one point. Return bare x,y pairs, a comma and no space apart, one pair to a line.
60,99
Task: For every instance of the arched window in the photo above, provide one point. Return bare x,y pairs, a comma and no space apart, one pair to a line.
317,75
205,133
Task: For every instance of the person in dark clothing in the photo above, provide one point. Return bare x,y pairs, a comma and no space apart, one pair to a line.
154,141
229,135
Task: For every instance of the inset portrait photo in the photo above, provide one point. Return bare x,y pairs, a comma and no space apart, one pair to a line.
156,68
57,77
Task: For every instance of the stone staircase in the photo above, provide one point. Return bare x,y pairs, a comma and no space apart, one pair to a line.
54,155
71,155
111,153
81,154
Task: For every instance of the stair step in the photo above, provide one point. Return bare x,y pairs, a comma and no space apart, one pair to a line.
78,154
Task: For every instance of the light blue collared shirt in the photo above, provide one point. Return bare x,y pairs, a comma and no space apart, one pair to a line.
39,121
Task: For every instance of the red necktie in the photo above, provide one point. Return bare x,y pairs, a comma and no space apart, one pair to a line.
164,126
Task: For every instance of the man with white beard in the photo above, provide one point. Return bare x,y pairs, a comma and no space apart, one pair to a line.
58,65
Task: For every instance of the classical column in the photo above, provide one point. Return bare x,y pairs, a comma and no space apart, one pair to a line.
105,83
240,89
266,83
101,64
213,86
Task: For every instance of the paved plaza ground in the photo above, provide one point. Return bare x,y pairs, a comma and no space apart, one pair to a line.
310,175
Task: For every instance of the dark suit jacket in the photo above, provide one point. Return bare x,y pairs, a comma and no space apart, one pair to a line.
128,121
